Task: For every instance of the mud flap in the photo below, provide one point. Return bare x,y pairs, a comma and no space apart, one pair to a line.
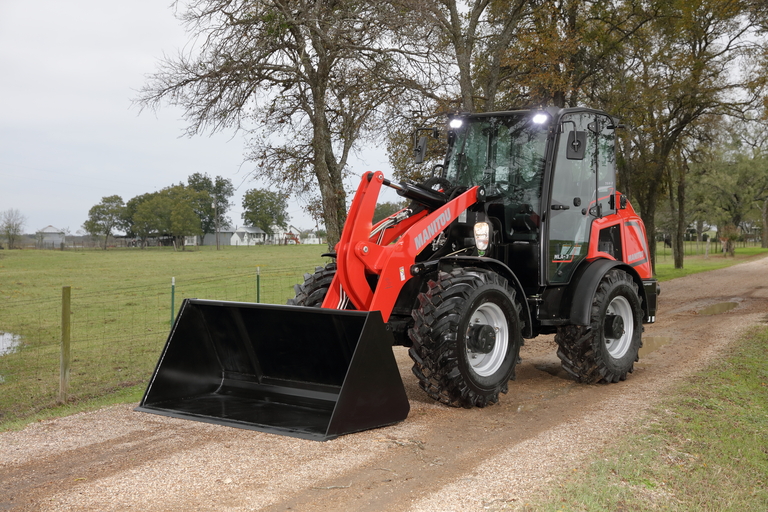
304,372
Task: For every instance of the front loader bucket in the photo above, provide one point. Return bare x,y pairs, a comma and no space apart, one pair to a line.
305,372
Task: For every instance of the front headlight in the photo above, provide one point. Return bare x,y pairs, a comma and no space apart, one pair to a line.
482,235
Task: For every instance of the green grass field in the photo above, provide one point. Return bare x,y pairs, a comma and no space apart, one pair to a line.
121,311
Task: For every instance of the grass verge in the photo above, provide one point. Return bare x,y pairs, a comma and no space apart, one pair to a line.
693,264
705,448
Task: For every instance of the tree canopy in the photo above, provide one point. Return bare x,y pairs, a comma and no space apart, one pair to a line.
264,209
104,217
220,190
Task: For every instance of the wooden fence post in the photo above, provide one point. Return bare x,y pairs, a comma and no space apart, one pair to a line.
66,302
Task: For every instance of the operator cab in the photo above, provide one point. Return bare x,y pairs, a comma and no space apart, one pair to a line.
547,175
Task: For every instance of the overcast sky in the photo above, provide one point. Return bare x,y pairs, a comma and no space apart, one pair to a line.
68,132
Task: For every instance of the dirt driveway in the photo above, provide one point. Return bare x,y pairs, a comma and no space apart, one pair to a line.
438,459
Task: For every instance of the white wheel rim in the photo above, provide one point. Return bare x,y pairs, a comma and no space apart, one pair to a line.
491,314
618,347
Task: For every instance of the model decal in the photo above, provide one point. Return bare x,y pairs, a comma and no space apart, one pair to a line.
435,227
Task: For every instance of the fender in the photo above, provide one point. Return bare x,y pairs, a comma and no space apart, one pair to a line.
503,270
585,282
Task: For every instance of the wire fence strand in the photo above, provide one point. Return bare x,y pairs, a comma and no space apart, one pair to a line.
116,335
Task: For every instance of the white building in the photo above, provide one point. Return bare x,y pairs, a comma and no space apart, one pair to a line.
248,235
50,236
251,235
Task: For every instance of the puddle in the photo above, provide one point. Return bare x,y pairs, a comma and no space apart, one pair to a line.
9,342
716,309
651,343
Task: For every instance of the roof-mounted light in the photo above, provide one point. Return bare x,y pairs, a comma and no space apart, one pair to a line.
540,118
456,123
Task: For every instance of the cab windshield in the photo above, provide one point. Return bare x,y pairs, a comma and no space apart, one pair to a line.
505,154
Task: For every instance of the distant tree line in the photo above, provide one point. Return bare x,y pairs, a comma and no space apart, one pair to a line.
193,209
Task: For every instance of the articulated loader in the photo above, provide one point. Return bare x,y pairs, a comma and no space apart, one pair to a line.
520,232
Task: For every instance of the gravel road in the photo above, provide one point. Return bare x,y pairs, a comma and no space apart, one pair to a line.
437,459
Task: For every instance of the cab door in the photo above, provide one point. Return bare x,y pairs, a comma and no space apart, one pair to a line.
583,182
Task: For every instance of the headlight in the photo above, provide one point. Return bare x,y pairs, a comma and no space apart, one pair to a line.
482,235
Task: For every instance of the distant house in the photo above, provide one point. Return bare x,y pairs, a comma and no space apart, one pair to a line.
50,236
311,238
248,235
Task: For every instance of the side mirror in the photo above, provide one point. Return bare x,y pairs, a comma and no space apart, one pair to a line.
420,150
577,145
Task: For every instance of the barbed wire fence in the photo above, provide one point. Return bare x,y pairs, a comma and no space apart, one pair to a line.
117,335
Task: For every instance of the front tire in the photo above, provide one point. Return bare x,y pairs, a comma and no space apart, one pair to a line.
606,350
315,287
466,337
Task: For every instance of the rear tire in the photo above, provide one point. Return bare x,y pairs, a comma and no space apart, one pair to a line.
315,287
606,350
456,363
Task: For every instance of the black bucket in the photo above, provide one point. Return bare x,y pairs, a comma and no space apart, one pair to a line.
304,372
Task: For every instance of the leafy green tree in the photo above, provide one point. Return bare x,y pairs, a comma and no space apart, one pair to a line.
264,209
169,212
104,217
212,212
737,186
127,220
386,209
152,216
184,221
11,226
675,73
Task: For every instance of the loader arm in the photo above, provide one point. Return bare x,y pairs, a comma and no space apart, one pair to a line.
358,255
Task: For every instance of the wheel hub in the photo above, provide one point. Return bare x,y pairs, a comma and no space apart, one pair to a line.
481,338
613,326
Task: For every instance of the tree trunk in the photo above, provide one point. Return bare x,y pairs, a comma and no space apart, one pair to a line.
647,203
679,244
329,178
764,232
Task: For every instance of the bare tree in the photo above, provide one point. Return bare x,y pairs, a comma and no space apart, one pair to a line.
298,77
12,226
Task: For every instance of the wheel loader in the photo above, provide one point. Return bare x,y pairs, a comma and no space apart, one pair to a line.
520,232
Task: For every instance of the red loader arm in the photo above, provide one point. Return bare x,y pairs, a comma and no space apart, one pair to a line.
391,256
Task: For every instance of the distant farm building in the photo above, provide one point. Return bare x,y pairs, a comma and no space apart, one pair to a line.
248,235
50,236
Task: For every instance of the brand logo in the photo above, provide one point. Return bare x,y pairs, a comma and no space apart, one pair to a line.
434,228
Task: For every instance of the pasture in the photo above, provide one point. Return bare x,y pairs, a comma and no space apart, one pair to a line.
121,312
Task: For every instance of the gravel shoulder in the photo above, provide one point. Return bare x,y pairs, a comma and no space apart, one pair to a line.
437,459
